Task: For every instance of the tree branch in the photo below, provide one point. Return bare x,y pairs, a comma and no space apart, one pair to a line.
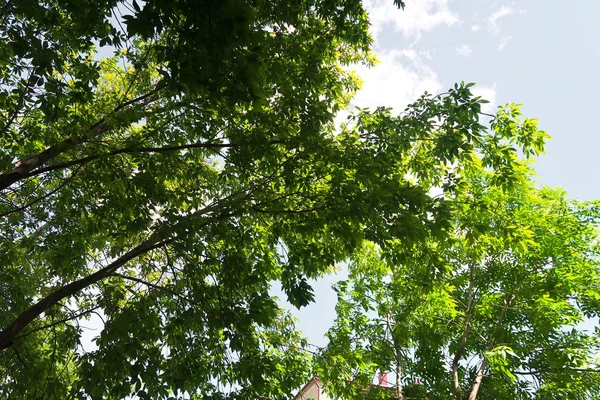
158,239
463,340
23,168
155,286
61,321
50,193
479,377
10,333
541,371
478,380
133,150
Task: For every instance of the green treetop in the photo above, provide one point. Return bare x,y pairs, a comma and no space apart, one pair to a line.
165,188
492,311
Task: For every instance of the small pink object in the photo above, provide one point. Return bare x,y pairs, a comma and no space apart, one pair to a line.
383,378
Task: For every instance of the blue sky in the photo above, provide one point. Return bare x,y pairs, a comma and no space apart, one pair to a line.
544,55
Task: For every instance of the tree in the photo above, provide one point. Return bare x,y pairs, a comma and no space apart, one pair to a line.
163,189
493,311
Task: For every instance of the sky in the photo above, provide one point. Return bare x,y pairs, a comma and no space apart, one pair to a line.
544,55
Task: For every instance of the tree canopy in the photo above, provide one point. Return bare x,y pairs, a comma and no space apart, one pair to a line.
494,311
164,188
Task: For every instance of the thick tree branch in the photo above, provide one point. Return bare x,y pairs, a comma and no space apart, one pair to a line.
50,193
23,168
479,377
478,380
397,355
126,150
463,340
58,322
399,390
541,371
133,150
160,238
11,332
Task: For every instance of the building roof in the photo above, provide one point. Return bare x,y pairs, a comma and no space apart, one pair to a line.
314,381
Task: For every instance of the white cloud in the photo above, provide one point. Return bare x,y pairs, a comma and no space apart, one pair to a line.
494,20
475,27
488,93
464,50
505,40
418,16
398,80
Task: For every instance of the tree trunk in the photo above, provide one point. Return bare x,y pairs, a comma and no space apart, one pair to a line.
399,390
477,382
490,344
463,340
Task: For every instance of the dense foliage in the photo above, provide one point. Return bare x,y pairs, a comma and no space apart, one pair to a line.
498,310
162,189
